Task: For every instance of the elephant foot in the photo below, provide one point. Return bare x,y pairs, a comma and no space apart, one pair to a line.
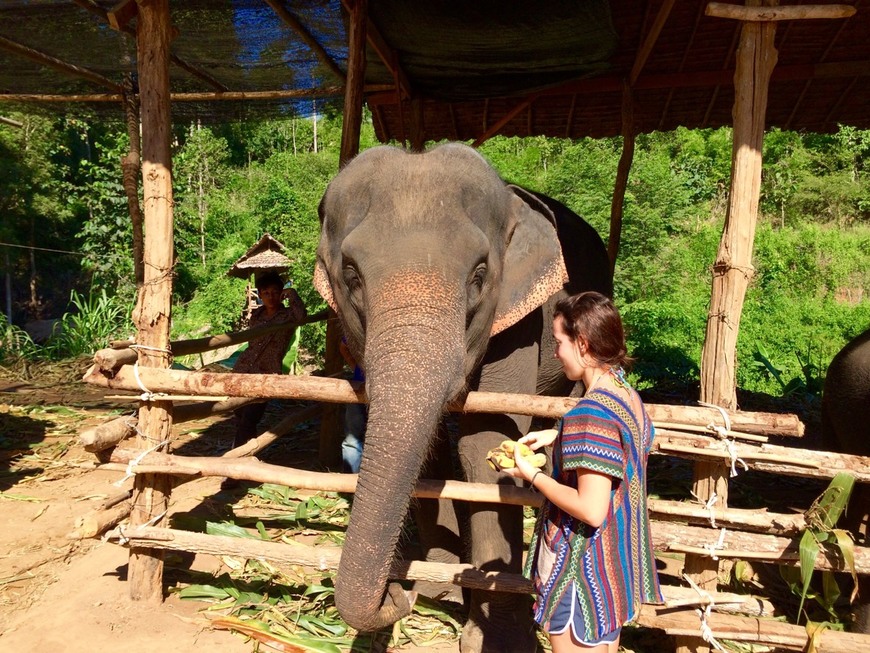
500,627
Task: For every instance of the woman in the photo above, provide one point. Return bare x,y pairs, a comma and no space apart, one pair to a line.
592,553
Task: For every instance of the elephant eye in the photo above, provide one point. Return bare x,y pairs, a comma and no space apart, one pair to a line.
475,284
353,283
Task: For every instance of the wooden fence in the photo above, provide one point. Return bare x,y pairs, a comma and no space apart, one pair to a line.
740,439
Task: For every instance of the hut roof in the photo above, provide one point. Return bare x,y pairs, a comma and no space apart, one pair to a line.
267,254
451,69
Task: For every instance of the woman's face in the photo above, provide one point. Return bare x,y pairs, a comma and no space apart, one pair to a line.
270,296
567,351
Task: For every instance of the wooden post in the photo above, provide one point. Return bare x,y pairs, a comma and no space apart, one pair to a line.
617,203
732,271
153,309
130,168
330,431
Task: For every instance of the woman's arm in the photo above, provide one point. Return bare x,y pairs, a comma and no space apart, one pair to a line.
590,502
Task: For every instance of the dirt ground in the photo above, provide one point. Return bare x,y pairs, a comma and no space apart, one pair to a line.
59,593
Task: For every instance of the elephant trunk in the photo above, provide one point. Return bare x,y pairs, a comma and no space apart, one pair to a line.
413,360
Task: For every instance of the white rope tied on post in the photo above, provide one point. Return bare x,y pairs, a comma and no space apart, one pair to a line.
708,505
722,433
712,548
130,472
709,603
146,395
123,539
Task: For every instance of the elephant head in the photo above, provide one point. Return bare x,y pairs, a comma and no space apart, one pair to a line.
424,257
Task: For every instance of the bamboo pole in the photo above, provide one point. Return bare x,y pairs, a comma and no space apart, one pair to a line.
317,388
748,629
153,309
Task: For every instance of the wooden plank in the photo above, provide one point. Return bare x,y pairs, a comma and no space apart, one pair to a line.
772,14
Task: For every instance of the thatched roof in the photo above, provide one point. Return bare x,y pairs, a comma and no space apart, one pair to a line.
266,255
461,70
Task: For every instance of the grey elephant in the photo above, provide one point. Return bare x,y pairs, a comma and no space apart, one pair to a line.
846,428
444,278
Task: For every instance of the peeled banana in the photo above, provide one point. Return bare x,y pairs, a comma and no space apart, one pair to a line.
502,456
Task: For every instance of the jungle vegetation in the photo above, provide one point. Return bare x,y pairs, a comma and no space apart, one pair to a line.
60,189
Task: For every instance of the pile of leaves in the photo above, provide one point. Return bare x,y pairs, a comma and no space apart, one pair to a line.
292,608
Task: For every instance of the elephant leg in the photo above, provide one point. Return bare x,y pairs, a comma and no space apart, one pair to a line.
499,621
857,521
437,522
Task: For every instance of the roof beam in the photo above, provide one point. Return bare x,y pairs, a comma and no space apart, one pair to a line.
704,79
53,62
124,28
204,96
294,24
495,128
650,41
773,14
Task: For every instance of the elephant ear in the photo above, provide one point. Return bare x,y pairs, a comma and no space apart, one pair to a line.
321,283
533,267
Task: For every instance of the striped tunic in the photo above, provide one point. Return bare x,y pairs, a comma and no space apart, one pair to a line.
611,568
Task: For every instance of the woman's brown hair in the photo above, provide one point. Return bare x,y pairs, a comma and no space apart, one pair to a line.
593,318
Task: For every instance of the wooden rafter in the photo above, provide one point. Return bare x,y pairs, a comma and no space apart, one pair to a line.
203,96
650,41
698,15
57,64
96,10
808,83
294,24
495,128
390,59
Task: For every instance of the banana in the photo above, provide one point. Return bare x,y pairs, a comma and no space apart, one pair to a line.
502,456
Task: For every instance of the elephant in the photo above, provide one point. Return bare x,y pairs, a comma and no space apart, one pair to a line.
444,279
846,428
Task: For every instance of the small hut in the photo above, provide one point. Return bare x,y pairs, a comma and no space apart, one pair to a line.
266,255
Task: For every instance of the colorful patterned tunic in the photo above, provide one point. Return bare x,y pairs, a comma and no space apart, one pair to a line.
611,569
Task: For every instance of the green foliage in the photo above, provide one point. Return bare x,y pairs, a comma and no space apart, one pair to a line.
822,518
96,320
15,343
106,236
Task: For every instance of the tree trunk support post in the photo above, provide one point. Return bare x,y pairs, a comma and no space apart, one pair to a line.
732,271
153,308
330,431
